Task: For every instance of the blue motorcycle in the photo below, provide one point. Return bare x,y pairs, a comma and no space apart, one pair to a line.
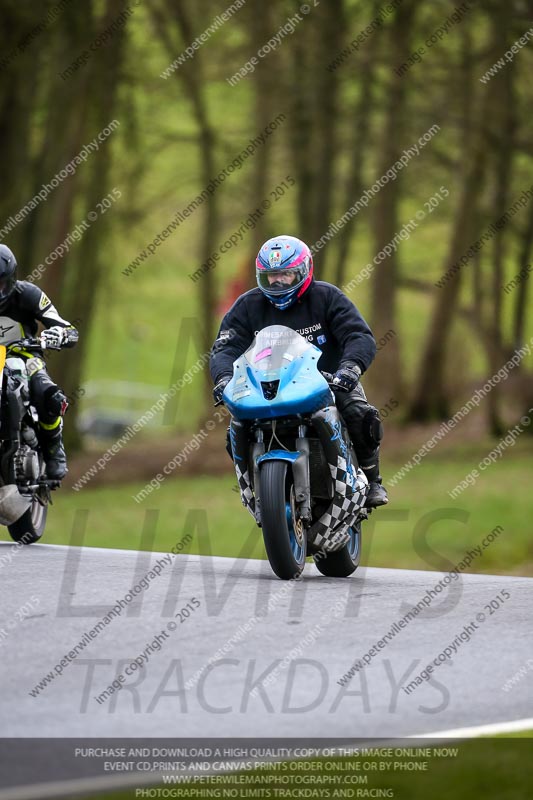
296,468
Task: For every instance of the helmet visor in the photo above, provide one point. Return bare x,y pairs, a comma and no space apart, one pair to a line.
6,286
281,281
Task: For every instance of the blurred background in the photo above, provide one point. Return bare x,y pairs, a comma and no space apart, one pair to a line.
148,148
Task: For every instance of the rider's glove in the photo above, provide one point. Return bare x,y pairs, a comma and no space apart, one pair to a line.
52,338
70,336
219,389
346,378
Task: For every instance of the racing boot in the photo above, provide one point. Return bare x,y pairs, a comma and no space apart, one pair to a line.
51,441
377,495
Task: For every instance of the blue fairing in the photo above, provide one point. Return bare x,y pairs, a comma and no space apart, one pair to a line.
302,389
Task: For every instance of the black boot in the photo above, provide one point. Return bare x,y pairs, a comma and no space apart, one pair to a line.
51,441
377,495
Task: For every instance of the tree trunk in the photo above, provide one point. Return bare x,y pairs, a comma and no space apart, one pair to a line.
301,96
519,314
503,117
429,396
363,108
265,109
62,139
190,74
85,271
328,20
386,381
16,120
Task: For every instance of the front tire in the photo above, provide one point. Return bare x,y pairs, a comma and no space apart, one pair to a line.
284,536
342,562
30,526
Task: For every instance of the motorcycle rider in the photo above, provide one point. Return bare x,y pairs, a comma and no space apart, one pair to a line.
288,294
25,303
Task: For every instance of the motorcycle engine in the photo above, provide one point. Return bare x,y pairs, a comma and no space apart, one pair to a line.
26,464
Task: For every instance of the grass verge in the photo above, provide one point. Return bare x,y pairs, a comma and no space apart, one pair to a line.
421,528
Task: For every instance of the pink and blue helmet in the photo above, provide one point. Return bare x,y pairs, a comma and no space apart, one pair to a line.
284,256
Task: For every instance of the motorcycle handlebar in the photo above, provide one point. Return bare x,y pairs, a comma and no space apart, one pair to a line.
31,344
328,376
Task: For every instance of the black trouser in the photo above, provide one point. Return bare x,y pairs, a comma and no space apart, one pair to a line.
364,426
46,396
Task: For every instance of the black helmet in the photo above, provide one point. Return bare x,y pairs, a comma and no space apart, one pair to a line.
8,274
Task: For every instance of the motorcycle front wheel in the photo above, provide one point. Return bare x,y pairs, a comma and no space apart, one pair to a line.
30,526
284,535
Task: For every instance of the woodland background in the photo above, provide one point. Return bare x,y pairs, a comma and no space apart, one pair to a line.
350,112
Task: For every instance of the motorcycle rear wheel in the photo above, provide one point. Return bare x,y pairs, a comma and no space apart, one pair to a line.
284,536
345,561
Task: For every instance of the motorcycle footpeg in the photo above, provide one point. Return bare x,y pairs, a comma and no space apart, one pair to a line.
46,484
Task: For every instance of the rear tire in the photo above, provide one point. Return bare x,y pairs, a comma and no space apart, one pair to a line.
342,562
285,539
30,527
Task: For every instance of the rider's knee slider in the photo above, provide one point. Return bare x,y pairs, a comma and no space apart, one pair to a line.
372,428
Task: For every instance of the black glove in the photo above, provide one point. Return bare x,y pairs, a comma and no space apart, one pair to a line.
219,389
346,378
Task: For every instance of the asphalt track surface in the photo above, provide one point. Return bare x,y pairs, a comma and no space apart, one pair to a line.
322,625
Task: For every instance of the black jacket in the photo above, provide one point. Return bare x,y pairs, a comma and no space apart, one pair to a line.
324,315
29,305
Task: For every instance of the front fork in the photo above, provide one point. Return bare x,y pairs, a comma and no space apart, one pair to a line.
302,478
249,483
349,484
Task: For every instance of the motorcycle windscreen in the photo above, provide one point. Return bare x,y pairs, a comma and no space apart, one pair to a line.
276,346
277,376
